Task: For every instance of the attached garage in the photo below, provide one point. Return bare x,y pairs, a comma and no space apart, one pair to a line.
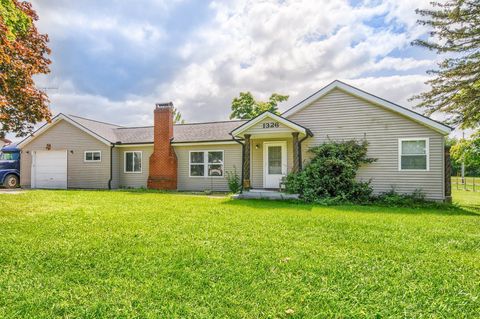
67,154
49,169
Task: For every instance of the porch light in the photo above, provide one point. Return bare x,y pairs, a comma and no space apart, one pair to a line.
257,146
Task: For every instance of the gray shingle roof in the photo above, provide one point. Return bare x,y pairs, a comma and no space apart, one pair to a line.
135,135
182,133
197,132
105,130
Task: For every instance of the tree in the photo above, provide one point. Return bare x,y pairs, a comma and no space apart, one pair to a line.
177,117
331,172
455,88
456,165
23,54
467,151
246,107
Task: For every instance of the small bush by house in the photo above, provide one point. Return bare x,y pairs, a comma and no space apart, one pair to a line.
330,175
234,181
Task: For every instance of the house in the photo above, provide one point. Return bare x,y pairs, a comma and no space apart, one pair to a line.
3,142
74,152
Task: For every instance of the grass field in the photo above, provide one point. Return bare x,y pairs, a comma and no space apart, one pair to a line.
93,254
468,200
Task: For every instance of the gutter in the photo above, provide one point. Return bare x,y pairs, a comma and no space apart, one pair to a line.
243,160
309,134
111,167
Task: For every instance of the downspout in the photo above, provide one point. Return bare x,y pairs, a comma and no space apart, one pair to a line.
111,166
243,160
309,134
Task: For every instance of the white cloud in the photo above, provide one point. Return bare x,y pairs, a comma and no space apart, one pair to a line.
401,64
63,19
292,47
295,47
98,29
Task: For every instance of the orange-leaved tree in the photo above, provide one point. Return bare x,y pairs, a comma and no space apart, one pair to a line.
23,54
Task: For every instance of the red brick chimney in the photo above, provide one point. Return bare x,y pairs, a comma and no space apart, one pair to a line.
163,161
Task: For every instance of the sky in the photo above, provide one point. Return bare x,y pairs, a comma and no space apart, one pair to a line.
113,60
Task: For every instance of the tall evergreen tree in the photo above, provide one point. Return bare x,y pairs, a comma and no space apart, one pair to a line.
455,87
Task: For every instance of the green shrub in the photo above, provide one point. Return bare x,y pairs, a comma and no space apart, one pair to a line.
330,175
233,181
392,198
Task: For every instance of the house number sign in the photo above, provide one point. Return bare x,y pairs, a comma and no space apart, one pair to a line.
271,125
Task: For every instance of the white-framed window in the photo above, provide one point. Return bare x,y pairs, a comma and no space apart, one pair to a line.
133,162
206,163
92,156
413,154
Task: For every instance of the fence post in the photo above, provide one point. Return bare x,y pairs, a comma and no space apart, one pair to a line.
474,183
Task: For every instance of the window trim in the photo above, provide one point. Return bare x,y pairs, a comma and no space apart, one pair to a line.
427,153
205,163
92,160
125,162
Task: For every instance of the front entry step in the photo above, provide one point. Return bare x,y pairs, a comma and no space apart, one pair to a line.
265,194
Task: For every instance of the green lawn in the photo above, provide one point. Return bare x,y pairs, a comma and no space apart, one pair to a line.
467,199
122,254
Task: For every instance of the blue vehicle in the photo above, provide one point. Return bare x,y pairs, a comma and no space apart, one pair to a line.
10,166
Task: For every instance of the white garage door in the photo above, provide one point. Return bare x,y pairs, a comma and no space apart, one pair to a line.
49,169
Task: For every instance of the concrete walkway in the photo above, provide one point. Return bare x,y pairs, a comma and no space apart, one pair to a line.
14,191
265,194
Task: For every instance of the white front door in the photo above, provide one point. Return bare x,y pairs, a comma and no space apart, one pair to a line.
49,169
274,163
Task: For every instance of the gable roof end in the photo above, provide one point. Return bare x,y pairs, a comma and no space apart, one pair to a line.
245,126
435,125
66,118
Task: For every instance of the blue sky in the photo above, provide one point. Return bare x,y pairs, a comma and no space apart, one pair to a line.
113,60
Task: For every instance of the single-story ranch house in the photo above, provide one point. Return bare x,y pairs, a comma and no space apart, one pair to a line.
74,152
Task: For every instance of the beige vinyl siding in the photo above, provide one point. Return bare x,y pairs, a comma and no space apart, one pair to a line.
65,136
258,128
232,159
339,116
134,180
256,159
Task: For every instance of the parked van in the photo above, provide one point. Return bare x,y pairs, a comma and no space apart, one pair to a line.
10,166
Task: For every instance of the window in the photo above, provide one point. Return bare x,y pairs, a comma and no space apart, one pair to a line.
413,154
133,162
206,163
7,156
197,164
274,159
93,156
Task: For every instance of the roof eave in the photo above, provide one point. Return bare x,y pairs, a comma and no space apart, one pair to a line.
55,120
245,126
